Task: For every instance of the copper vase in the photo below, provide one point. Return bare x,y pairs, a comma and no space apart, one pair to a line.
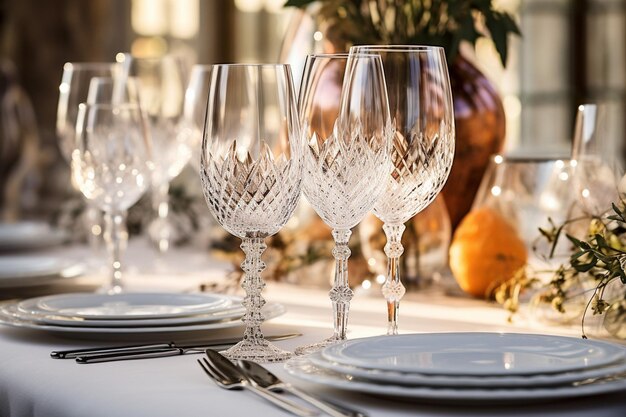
480,128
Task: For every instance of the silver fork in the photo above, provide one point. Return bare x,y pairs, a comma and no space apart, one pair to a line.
266,379
234,383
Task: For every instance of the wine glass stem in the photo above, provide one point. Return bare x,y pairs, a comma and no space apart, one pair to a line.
393,290
116,237
253,285
161,204
93,223
341,294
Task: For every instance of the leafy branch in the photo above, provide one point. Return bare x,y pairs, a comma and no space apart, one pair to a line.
601,257
445,23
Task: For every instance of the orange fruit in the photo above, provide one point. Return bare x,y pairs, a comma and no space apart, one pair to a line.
485,251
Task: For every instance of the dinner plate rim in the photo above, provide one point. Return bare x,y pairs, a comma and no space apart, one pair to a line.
47,236
232,310
37,309
410,379
462,395
272,310
614,354
66,269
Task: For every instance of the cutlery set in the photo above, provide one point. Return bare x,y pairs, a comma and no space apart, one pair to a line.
242,374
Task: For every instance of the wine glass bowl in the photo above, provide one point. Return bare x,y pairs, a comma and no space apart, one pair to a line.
73,90
251,172
194,110
422,149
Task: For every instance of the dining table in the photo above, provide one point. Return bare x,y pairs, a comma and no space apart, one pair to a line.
34,384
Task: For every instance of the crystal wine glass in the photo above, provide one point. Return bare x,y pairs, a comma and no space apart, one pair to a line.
420,102
194,110
251,171
346,156
111,165
162,93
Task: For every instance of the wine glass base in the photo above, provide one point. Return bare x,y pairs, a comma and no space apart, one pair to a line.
315,347
257,351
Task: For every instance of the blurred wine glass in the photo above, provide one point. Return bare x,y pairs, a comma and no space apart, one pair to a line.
194,110
111,165
529,192
251,175
348,133
73,90
597,163
162,80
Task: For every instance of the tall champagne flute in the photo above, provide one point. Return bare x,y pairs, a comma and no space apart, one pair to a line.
346,157
111,165
251,171
194,110
162,80
420,102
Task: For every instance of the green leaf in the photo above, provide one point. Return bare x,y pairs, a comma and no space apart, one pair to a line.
618,212
498,30
585,267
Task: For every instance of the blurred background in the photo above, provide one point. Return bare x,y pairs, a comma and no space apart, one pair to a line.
571,52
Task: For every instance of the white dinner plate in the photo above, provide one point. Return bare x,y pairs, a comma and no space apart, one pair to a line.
232,310
270,311
124,306
413,379
29,235
303,369
29,270
474,353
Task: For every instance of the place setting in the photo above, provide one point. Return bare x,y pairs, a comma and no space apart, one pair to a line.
381,229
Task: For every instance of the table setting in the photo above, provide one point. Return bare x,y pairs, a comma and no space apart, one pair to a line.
88,328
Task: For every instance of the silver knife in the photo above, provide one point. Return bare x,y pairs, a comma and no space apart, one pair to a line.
146,354
151,348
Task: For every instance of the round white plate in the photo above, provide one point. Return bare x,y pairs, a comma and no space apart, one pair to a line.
304,369
474,353
124,306
29,270
29,235
402,378
270,311
232,310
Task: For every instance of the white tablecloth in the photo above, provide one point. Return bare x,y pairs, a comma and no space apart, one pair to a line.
33,384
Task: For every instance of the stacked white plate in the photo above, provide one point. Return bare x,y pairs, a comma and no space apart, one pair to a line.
25,270
29,235
128,313
468,367
30,270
